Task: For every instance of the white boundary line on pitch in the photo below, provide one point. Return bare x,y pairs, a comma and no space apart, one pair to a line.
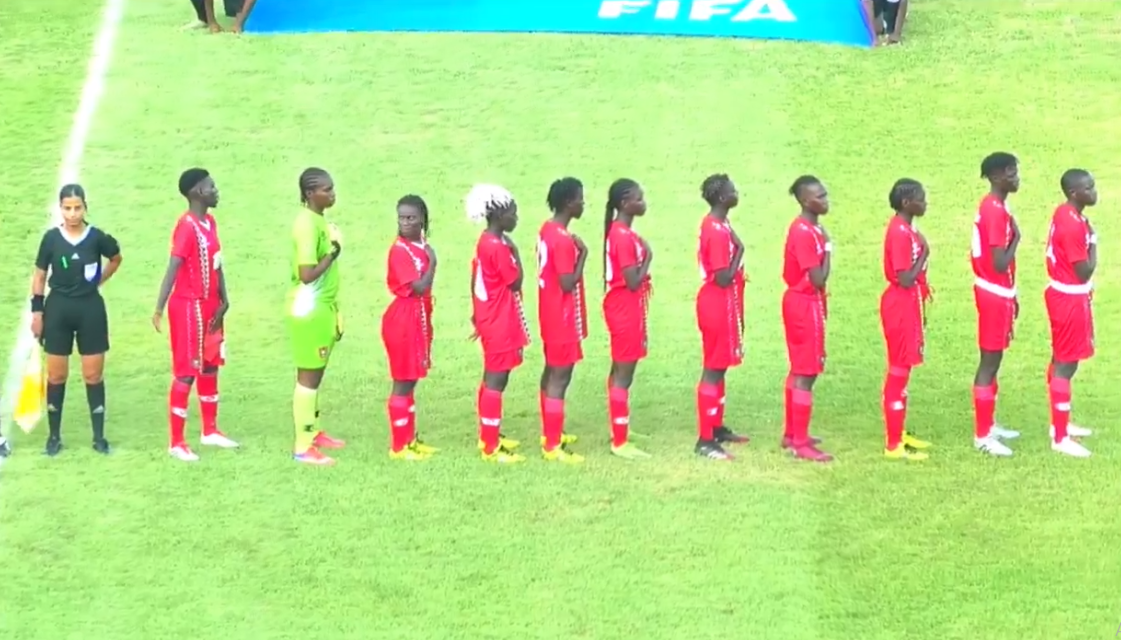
90,98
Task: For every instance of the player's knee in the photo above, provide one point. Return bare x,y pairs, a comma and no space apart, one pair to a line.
57,377
187,380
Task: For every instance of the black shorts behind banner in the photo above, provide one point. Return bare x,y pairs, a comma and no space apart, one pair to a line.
889,11
233,7
68,319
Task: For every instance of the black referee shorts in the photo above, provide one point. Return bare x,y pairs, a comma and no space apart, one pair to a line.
68,319
888,12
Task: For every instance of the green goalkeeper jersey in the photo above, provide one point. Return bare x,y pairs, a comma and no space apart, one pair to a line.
311,238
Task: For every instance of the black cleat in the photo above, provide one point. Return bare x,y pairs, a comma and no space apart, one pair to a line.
101,446
54,446
724,435
5,448
712,450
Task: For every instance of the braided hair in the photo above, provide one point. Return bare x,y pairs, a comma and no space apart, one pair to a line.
903,189
310,180
562,192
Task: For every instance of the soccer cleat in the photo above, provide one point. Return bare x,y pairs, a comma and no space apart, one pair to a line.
903,452
1071,447
5,448
566,439
712,450
788,442
409,453
419,445
53,448
724,435
313,456
218,439
101,445
324,441
811,453
1075,431
992,446
915,442
561,454
502,455
997,431
628,451
182,453
504,442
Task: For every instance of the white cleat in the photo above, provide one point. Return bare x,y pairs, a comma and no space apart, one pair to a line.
997,431
992,446
183,453
218,439
1075,431
1070,447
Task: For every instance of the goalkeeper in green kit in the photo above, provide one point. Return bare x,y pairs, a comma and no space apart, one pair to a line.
314,323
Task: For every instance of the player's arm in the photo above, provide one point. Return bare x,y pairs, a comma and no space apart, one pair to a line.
109,249
719,259
243,15
900,18
39,285
634,272
995,226
311,265
817,269
568,259
1080,250
183,243
516,282
906,270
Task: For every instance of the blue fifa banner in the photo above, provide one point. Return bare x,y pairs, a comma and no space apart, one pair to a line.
833,21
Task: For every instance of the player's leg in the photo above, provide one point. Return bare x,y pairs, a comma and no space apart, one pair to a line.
398,407
494,447
1071,342
213,358
59,327
804,324
995,316
624,363
312,338
721,432
93,344
183,325
560,363
902,327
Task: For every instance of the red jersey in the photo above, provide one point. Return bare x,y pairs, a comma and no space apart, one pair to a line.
902,248
992,228
406,263
1068,243
563,315
805,250
624,250
195,242
715,251
497,309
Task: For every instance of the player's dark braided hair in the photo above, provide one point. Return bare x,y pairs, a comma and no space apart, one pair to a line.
72,191
997,162
801,183
712,187
310,180
903,189
619,190
413,200
562,193
1069,179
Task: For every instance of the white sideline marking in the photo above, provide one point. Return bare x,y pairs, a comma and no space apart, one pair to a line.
90,97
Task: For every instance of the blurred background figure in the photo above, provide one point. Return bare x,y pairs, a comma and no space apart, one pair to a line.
888,17
206,18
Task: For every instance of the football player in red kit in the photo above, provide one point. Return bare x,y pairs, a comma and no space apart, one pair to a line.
406,325
626,275
1072,258
805,270
196,285
719,314
995,240
497,313
562,312
902,313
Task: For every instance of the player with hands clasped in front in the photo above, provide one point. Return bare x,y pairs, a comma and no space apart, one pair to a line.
902,313
1072,258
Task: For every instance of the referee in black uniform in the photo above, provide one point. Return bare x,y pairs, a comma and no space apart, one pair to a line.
72,254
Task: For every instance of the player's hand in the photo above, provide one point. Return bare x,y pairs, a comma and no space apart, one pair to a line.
431,253
338,326
1015,309
736,240
157,320
219,319
37,325
580,246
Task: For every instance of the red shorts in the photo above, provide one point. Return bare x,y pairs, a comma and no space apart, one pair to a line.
803,318
563,354
502,361
407,361
996,316
406,333
628,336
721,335
901,319
1072,326
193,347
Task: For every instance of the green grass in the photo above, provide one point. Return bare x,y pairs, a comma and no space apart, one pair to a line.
248,545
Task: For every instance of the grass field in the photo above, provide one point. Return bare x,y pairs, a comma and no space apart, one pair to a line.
249,545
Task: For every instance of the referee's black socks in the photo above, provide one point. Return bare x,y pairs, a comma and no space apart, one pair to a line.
56,394
95,394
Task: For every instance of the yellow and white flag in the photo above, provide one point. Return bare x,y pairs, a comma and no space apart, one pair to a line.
32,392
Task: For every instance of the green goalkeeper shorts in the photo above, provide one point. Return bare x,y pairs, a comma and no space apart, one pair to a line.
313,338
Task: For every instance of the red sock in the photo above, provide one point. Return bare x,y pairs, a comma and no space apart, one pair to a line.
490,418
412,416
1059,391
895,404
553,422
984,405
708,407
619,410
719,419
802,403
178,398
207,388
398,408
787,414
